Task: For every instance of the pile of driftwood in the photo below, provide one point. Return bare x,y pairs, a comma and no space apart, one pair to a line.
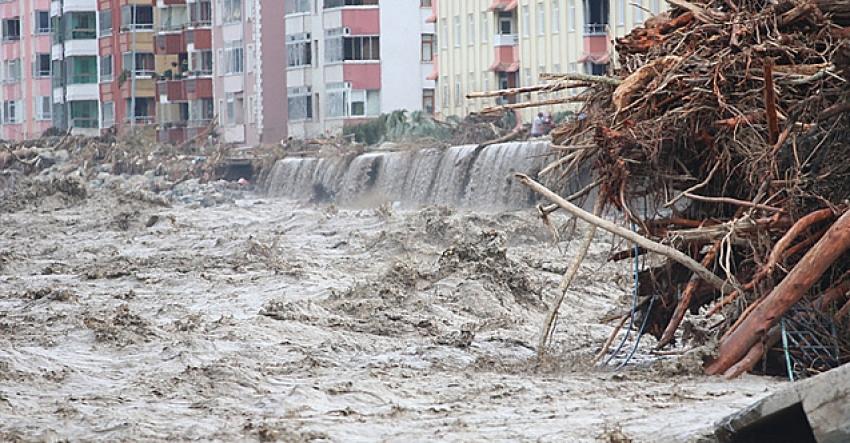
727,120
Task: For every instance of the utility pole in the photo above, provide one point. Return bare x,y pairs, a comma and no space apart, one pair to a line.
133,64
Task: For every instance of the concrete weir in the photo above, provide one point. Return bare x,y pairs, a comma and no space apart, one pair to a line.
813,410
460,176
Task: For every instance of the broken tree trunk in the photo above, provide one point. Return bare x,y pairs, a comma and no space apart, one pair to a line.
685,301
806,273
566,281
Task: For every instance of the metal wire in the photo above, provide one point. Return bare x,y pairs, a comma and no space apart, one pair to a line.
636,262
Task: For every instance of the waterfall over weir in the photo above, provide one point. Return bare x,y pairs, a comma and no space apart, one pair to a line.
459,176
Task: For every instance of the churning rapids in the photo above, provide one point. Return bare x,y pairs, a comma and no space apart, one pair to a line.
258,318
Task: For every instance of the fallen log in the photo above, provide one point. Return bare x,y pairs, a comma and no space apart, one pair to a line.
553,101
735,346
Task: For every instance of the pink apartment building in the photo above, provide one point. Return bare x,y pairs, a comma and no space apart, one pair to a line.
26,69
249,81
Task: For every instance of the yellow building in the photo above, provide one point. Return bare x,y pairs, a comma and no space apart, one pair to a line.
495,44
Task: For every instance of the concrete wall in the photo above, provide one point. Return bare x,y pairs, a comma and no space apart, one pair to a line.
402,26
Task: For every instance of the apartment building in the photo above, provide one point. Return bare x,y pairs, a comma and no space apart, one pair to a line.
184,59
74,58
126,63
352,60
25,72
249,84
497,44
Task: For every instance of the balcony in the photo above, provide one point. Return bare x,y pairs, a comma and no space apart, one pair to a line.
505,40
178,132
171,90
187,89
503,5
593,29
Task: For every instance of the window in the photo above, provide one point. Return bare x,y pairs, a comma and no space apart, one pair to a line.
41,66
526,21
105,22
428,101
596,69
445,100
297,6
528,81
444,35
337,100
200,13
235,108
108,113
12,71
428,48
42,22
233,60
656,7
232,11
299,50
140,110
43,107
425,3
136,17
11,29
83,26
470,83
83,114
300,103
201,111
458,91
11,112
82,70
201,62
106,68
339,48
470,29
364,103
456,35
173,18
541,18
144,63
638,13
621,12
556,16
571,15
362,48
506,25
340,3
485,26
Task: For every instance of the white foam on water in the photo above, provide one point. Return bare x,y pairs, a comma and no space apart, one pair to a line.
460,176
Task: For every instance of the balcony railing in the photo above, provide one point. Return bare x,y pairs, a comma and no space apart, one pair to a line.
595,29
83,34
505,40
142,120
84,122
82,79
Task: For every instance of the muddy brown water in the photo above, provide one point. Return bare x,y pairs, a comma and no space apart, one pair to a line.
266,319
